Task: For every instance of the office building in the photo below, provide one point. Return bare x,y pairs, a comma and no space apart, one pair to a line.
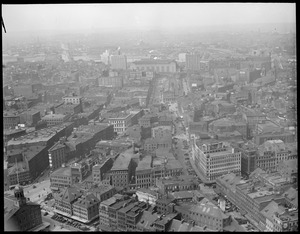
123,170
86,208
61,178
115,82
57,155
143,173
248,158
11,119
72,99
118,62
214,158
120,121
193,62
100,170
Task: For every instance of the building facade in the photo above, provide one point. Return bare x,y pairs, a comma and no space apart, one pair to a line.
214,159
118,62
120,122
156,65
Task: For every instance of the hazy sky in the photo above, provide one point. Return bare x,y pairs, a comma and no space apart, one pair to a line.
142,15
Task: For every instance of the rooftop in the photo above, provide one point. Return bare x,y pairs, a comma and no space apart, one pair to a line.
63,171
153,61
41,135
28,151
87,201
119,115
207,208
122,162
145,163
68,194
53,116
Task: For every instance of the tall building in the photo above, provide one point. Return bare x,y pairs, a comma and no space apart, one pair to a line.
193,62
105,57
248,159
215,158
118,62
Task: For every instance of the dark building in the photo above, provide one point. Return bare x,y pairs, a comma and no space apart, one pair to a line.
248,160
21,215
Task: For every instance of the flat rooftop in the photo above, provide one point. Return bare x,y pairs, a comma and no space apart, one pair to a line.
145,163
122,162
63,171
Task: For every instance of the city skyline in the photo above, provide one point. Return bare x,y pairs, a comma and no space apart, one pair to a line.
147,16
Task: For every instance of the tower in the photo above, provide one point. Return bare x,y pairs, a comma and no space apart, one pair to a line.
19,195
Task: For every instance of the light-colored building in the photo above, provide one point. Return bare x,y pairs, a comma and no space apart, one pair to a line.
193,62
72,99
156,65
61,178
147,195
115,81
120,121
209,215
118,62
216,158
182,57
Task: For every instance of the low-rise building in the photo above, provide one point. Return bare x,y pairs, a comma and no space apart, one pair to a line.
207,214
10,119
99,171
86,208
143,173
61,178
180,183
55,119
147,195
72,99
120,121
123,169
161,132
156,65
65,199
115,82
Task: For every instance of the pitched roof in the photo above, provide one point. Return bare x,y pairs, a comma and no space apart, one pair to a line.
207,208
87,201
68,194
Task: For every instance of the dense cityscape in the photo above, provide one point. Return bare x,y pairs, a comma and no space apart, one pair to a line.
151,131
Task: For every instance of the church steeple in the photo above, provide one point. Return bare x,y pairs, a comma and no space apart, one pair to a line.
19,194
